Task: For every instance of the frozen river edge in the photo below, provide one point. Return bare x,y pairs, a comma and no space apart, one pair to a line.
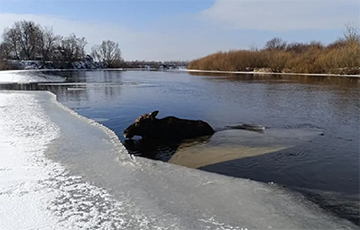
61,170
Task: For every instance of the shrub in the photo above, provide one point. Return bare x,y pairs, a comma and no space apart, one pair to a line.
339,57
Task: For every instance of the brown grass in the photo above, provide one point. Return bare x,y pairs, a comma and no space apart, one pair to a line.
6,66
339,57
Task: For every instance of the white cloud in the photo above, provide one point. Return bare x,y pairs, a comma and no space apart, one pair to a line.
277,15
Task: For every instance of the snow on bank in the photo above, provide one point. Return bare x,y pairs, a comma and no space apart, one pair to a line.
87,63
269,73
21,76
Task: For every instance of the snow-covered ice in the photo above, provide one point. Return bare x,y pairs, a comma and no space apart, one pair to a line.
20,76
38,193
59,170
24,133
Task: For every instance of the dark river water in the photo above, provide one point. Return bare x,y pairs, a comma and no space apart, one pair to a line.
310,144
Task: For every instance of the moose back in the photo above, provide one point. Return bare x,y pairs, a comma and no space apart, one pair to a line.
149,127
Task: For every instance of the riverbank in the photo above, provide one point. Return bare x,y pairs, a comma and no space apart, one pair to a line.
61,171
339,57
268,73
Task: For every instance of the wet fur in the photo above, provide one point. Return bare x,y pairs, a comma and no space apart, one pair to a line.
149,127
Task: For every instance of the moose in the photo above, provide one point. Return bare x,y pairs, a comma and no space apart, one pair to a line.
149,127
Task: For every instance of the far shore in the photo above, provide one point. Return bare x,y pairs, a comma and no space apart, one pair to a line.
189,70
269,73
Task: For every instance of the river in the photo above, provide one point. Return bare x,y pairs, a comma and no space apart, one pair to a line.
310,144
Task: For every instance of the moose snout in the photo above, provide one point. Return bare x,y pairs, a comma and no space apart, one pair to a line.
127,134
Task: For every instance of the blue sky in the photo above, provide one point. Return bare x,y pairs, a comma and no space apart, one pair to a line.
184,30
135,13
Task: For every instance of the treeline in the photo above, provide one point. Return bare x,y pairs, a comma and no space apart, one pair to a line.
340,57
26,40
155,64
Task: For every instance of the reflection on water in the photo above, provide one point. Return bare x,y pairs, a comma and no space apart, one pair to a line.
298,79
329,105
153,149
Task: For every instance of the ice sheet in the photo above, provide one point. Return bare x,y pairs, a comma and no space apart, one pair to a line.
234,144
22,168
38,193
63,171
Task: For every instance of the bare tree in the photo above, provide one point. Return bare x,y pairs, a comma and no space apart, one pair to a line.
72,48
11,41
47,43
253,47
29,35
351,34
275,44
108,53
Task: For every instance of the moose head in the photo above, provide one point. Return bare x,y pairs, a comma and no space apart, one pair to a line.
141,125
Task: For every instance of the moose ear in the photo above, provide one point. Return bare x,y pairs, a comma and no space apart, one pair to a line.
153,114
